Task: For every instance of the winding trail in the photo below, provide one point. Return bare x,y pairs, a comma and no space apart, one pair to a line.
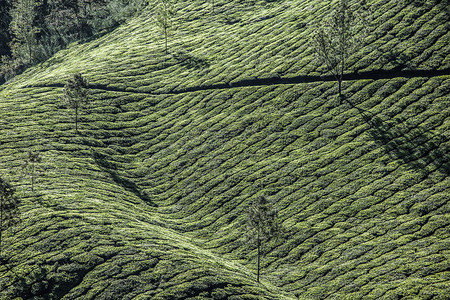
279,80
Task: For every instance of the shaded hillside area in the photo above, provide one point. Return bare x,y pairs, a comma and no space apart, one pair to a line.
149,199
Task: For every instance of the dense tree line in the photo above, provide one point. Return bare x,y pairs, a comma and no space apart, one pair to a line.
33,30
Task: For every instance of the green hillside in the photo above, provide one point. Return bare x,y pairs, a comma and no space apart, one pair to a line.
149,199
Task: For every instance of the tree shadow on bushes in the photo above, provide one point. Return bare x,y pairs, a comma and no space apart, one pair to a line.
416,146
26,286
102,161
190,61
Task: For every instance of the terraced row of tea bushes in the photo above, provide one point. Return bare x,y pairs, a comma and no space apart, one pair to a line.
345,177
98,253
361,185
270,40
85,235
330,179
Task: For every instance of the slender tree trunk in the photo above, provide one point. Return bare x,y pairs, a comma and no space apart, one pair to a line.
340,87
76,119
32,178
28,45
165,36
29,49
259,255
1,226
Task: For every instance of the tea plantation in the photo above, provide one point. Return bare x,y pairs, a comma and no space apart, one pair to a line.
149,199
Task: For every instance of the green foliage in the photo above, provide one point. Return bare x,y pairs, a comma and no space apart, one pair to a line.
5,19
262,224
11,67
8,208
165,11
149,200
24,42
41,28
337,37
29,165
76,94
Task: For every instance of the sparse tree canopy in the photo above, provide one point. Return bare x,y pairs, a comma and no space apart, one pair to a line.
164,14
337,38
262,224
76,94
8,207
30,163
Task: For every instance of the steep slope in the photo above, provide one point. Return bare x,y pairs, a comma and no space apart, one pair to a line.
149,199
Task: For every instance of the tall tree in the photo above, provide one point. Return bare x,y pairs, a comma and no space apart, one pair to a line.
30,163
165,12
262,225
76,94
337,38
8,207
5,19
24,32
